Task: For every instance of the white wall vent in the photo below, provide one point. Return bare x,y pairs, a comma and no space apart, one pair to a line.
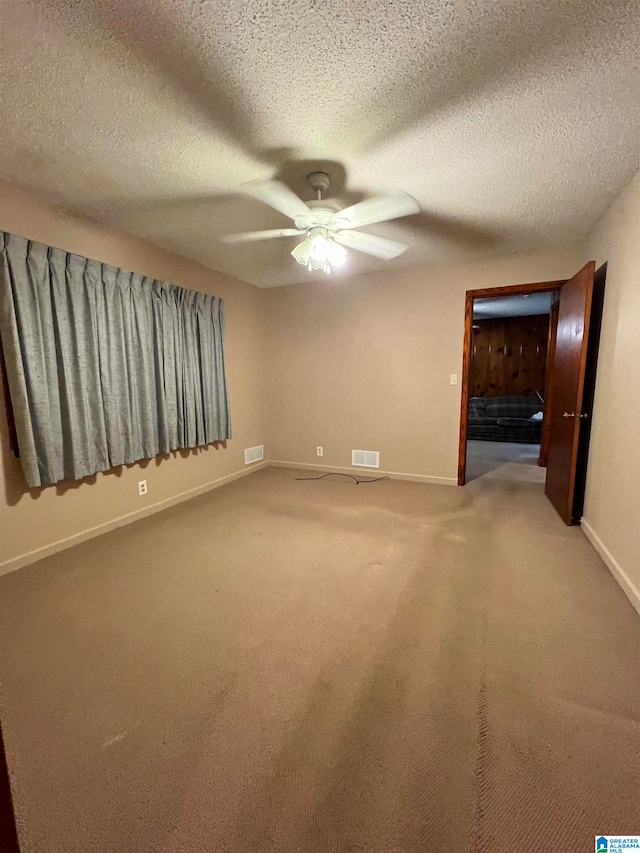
253,454
365,458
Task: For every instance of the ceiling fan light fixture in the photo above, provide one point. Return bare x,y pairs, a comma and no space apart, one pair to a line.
319,264
319,244
319,252
301,252
303,255
337,254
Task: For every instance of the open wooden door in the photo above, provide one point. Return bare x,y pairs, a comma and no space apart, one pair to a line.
566,390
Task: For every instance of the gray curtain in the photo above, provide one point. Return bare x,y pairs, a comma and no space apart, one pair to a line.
105,366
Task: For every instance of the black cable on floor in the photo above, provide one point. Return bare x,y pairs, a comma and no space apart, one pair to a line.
339,474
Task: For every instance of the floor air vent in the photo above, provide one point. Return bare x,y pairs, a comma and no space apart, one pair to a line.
365,458
253,454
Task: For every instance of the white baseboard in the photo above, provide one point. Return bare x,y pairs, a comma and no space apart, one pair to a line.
368,472
60,545
632,593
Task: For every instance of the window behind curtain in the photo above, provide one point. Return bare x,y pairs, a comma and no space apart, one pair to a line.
105,366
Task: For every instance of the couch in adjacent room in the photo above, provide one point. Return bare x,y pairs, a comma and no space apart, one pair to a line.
508,418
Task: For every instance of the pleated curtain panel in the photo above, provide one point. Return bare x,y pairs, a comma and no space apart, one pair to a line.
104,366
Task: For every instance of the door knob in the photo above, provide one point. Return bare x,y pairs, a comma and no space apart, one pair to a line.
568,415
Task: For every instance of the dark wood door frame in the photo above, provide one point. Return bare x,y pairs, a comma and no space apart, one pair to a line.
548,402
471,296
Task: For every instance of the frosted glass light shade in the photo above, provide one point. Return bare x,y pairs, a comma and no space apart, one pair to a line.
319,248
301,252
319,253
337,254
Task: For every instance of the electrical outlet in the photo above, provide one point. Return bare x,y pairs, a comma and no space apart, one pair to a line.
142,487
319,451
453,379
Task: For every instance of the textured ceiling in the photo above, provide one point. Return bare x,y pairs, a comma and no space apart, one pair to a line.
514,123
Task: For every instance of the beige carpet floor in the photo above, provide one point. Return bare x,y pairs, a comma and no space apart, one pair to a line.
504,460
324,667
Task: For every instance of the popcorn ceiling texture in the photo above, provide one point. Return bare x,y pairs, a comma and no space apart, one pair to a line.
515,123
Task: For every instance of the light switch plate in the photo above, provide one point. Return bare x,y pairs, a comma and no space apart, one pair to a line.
453,379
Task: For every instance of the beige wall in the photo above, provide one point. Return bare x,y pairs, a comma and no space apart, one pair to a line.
612,502
365,363
34,519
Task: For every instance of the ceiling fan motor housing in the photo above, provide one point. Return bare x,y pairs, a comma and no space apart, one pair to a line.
318,181
320,214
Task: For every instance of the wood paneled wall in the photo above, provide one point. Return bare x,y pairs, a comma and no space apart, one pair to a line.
509,356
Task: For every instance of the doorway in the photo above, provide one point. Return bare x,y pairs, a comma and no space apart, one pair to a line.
541,291
529,382
510,336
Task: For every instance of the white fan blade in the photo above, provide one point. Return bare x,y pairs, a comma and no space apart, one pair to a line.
277,195
379,247
253,236
380,208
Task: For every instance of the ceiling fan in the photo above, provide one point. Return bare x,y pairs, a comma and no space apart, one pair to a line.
328,231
